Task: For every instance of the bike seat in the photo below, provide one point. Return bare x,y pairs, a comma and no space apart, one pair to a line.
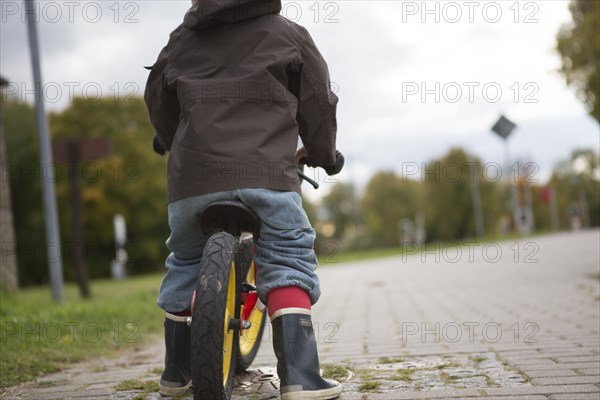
230,216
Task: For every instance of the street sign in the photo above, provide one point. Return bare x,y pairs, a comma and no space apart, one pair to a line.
503,127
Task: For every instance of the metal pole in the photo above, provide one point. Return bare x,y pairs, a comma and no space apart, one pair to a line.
53,246
476,196
514,201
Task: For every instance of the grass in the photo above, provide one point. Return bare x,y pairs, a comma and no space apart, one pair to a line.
156,371
369,386
39,336
364,374
477,359
136,384
447,365
335,372
338,258
448,379
388,360
403,374
488,381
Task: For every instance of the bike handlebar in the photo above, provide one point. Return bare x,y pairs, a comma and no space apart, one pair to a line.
330,170
337,167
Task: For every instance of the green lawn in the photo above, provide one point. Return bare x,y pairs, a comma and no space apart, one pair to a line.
39,336
339,258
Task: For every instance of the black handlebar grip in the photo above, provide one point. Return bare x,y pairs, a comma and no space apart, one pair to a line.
157,147
337,167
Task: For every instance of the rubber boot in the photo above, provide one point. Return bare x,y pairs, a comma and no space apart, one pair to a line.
297,359
176,378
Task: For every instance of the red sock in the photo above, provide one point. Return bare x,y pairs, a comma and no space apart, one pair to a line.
287,297
186,313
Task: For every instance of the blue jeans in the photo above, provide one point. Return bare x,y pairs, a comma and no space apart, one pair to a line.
284,249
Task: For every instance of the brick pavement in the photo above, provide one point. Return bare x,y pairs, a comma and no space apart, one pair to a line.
510,320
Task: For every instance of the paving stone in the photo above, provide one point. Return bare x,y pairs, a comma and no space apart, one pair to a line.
566,380
59,388
534,362
517,397
552,373
588,371
440,394
570,388
555,355
575,396
72,394
581,359
541,367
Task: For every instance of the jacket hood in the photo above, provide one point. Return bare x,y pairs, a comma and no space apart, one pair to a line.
209,13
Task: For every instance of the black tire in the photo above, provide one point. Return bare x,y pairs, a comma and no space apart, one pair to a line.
249,340
213,370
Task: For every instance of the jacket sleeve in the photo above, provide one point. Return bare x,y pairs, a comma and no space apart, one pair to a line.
316,106
161,100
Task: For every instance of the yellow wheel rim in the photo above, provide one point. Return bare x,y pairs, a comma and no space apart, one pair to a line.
250,336
229,333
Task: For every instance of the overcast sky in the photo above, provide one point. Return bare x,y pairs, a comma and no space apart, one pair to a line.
414,78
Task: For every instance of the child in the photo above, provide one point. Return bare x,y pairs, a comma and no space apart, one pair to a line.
228,96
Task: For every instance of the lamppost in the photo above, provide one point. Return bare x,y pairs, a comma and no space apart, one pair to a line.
53,245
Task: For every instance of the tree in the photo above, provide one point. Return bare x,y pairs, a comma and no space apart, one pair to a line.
8,268
341,206
311,210
387,200
131,182
26,197
576,183
449,209
579,46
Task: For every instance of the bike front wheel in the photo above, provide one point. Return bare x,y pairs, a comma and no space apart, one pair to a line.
214,332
